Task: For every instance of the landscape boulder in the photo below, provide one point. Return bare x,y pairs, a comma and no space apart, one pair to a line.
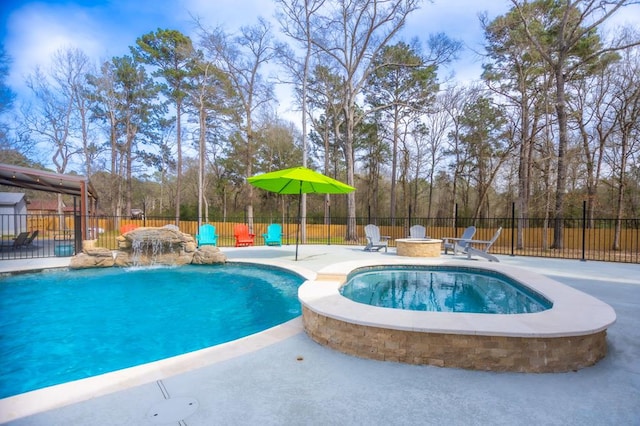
92,258
208,255
150,246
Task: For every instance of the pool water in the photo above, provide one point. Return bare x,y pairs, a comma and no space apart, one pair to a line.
442,289
57,326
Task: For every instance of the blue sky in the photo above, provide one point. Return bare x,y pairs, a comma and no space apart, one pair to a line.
32,31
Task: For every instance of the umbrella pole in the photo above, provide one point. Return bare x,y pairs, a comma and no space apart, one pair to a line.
299,218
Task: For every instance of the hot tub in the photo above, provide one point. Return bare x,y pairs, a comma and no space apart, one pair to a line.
568,336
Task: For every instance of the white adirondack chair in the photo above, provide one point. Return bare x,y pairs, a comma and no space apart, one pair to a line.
418,231
375,241
459,244
484,250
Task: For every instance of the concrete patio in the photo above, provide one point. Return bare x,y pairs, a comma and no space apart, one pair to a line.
281,377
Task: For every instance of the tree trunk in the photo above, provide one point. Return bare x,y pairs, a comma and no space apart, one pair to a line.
558,223
524,168
201,155
179,165
621,186
394,168
350,163
327,197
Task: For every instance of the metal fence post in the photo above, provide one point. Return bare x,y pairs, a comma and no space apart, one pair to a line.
584,229
329,223
77,228
455,218
513,227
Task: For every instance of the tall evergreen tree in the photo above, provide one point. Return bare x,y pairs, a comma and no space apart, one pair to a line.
400,88
172,53
126,99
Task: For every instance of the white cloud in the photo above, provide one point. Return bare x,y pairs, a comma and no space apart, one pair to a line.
37,31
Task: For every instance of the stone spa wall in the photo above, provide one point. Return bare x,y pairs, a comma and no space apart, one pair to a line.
476,352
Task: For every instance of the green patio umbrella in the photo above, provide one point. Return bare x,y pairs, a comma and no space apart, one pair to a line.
299,180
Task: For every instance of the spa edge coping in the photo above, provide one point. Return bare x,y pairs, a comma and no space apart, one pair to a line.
574,313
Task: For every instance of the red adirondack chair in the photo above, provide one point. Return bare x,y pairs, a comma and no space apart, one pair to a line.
243,237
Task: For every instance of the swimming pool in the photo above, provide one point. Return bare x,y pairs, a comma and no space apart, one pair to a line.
442,289
57,326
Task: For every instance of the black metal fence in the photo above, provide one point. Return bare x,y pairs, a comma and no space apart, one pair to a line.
39,235
608,240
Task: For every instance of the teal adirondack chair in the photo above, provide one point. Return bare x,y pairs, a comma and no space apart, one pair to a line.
273,237
207,236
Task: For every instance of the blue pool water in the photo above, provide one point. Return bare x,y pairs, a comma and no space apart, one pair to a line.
442,289
57,325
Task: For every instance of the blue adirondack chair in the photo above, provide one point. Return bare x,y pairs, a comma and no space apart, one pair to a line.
207,235
273,237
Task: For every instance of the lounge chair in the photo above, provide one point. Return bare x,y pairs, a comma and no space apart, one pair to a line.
418,231
20,240
459,244
374,240
30,238
243,237
273,236
484,251
207,235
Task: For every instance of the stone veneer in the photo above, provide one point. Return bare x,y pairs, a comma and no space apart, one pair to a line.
477,352
414,247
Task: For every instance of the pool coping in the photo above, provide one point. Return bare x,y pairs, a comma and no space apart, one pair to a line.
574,313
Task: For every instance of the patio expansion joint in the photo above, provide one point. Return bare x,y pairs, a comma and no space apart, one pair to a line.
163,389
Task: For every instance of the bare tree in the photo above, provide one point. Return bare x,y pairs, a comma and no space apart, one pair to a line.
590,109
79,66
436,125
456,97
627,116
208,96
351,35
564,34
325,114
242,58
295,20
51,117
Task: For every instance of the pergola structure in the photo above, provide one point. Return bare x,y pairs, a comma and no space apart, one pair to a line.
41,180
